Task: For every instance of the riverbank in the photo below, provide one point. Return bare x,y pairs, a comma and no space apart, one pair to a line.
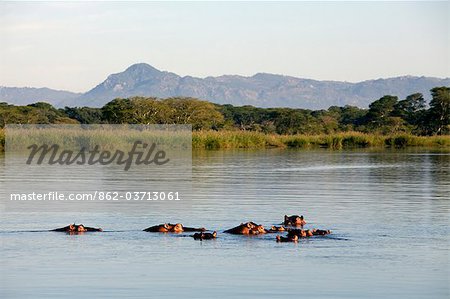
247,139
211,140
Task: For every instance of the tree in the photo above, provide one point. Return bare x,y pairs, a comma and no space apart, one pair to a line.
45,113
380,111
411,109
438,114
148,111
85,115
349,117
199,114
117,111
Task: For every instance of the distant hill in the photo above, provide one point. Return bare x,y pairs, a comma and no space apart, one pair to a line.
261,90
28,95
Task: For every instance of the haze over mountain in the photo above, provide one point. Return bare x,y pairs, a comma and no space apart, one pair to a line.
29,95
261,90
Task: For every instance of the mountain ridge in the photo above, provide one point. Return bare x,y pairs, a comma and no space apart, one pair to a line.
261,89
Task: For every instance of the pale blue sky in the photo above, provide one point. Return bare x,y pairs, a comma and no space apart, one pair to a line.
74,46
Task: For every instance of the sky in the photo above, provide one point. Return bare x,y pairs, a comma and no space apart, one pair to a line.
76,45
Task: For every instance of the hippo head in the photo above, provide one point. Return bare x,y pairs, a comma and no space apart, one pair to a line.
81,228
214,234
260,229
309,233
295,238
177,228
277,228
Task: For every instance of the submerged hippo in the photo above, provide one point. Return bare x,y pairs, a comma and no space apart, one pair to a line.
293,238
204,236
276,229
301,233
248,228
161,228
173,228
320,232
71,228
294,220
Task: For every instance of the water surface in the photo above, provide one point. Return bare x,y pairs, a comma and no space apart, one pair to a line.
388,210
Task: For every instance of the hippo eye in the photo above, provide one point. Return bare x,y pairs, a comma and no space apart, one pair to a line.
166,225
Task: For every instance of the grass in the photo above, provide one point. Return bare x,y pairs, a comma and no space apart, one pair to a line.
210,140
246,139
107,138
2,140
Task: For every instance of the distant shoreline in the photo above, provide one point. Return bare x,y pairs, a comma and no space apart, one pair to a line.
234,139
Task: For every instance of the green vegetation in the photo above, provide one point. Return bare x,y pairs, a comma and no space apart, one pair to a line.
110,138
2,140
388,121
246,139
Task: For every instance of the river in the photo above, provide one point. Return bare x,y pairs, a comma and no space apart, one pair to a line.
388,212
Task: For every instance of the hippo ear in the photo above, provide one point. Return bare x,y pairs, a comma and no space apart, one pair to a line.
249,225
301,217
286,217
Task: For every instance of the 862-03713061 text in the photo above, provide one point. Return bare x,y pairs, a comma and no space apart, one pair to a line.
97,196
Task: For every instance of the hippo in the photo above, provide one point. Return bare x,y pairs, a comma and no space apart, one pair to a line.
161,228
300,233
294,220
242,229
293,238
173,228
248,228
275,229
71,228
307,233
187,229
204,236
320,232
258,229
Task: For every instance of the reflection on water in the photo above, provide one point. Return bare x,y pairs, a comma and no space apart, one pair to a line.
388,210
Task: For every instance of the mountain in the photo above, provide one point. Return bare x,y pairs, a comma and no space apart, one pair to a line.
28,95
262,89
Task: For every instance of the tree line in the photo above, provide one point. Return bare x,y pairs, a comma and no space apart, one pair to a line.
386,115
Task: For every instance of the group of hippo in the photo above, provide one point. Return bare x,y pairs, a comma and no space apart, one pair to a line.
292,225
